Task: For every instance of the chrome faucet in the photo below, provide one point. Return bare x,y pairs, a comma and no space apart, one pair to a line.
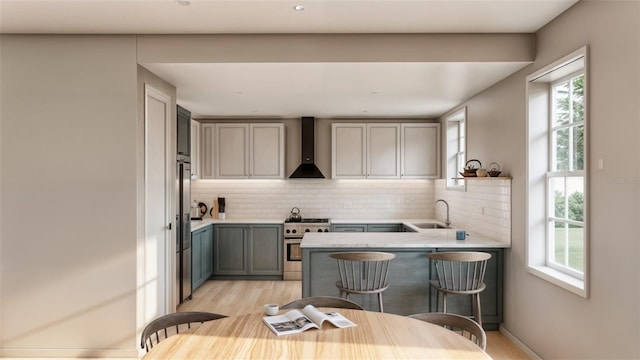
446,222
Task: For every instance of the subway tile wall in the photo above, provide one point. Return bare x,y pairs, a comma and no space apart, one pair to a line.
335,199
484,208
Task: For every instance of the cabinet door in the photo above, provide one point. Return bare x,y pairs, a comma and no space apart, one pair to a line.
229,250
195,149
384,228
383,151
208,152
420,151
349,228
196,259
265,250
207,253
348,151
267,151
231,151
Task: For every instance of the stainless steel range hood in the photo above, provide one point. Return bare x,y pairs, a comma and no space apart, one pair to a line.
308,168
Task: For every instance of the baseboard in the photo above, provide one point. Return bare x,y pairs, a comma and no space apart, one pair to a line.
522,346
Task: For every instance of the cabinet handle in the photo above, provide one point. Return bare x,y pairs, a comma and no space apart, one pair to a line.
169,227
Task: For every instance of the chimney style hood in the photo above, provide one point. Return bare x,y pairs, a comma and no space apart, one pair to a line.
308,168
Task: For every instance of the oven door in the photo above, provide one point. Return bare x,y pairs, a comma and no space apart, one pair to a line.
292,259
294,253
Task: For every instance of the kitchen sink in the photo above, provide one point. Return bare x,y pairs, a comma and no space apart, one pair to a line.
430,226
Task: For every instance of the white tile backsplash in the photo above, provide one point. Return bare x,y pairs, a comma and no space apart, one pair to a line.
484,208
336,199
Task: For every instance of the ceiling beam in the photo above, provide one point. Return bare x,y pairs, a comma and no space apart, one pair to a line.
284,48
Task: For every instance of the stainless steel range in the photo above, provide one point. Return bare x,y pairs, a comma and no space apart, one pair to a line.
293,233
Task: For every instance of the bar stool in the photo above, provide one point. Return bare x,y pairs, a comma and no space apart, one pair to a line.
363,273
460,272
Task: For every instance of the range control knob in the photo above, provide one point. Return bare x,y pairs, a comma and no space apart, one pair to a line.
326,230
294,231
288,231
307,230
319,230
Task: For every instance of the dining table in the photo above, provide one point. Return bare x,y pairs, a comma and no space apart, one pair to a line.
375,336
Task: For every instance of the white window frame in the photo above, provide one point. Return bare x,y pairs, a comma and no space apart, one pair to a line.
556,174
539,214
455,134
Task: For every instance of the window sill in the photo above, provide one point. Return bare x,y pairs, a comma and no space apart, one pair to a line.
560,279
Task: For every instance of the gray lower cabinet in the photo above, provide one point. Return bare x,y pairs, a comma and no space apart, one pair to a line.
384,227
349,228
201,256
391,227
409,291
248,251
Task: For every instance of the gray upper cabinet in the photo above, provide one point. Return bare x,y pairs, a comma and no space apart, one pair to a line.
207,161
420,151
385,150
242,151
195,149
365,151
348,151
266,151
231,151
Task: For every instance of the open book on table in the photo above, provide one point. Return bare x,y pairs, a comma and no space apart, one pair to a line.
297,321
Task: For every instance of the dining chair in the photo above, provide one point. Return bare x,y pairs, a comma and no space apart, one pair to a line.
457,323
322,301
363,273
460,272
167,325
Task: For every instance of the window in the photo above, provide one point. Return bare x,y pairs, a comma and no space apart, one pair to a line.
557,173
455,125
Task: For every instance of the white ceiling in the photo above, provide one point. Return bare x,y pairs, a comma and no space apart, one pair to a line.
311,89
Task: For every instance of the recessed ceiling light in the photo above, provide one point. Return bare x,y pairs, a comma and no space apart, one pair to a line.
238,92
184,2
298,8
374,92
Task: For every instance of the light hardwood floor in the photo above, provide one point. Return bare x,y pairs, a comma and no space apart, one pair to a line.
241,297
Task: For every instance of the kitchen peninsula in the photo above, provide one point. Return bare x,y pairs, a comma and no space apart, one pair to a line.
409,291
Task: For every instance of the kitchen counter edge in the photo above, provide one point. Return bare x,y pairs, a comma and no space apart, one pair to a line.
435,238
199,224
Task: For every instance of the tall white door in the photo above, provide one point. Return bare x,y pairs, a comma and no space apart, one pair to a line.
159,264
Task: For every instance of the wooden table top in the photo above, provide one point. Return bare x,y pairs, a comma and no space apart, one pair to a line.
377,336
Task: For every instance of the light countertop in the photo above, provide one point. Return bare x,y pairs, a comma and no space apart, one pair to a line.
199,224
432,238
427,238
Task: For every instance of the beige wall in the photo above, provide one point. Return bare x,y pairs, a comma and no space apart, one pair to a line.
68,186
551,321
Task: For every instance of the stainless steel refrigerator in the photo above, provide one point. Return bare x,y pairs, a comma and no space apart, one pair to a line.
183,231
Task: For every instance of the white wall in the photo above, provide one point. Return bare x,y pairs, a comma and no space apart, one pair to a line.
551,321
68,185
